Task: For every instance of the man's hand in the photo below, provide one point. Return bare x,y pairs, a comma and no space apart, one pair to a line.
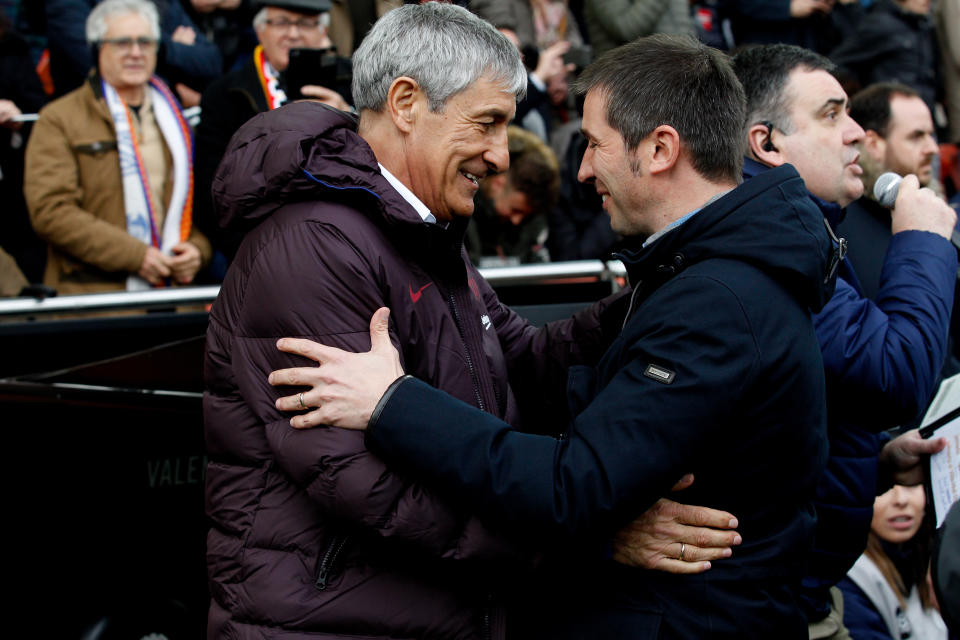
919,209
9,111
324,95
184,35
346,387
806,8
155,266
676,538
185,262
901,457
188,97
551,64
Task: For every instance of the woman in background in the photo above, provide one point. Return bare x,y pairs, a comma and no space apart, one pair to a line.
887,593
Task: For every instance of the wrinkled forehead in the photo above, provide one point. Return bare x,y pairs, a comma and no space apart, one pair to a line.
810,90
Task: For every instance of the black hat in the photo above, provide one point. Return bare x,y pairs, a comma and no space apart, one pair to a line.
300,6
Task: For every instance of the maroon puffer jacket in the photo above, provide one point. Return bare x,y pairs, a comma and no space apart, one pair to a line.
311,534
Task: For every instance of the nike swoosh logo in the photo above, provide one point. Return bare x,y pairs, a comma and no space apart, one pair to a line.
415,295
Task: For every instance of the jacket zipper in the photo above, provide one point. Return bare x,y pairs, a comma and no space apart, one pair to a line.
329,557
466,351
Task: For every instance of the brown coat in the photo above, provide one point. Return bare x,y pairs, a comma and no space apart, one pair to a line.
74,194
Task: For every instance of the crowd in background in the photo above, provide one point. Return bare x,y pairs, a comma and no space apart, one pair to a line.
232,59
206,48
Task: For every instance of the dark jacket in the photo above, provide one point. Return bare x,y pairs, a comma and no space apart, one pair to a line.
716,372
19,84
882,360
227,103
311,532
893,45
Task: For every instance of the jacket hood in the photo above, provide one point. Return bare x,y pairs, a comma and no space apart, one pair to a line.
301,151
768,221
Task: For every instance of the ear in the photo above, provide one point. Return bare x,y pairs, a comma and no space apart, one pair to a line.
874,145
404,101
663,149
769,154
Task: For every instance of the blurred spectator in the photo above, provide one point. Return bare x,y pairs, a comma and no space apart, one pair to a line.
186,60
612,23
226,23
12,280
20,92
256,86
948,30
894,42
886,594
509,222
945,569
108,167
806,23
351,19
544,31
537,23
579,228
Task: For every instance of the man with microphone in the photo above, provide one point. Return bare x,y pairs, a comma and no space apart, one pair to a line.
883,356
898,138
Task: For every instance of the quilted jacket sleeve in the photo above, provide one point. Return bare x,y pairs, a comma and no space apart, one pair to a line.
884,356
310,281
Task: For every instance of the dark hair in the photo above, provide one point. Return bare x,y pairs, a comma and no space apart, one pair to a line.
763,71
871,107
533,169
912,570
677,81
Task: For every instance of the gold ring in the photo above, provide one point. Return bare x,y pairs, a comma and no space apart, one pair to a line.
303,406
683,547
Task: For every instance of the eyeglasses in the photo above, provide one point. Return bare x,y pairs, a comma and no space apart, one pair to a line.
303,23
125,45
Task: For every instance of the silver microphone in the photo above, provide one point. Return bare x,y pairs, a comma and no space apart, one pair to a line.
886,188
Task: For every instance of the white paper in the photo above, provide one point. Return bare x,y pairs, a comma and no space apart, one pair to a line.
945,466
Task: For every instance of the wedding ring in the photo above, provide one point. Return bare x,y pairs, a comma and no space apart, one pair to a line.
303,406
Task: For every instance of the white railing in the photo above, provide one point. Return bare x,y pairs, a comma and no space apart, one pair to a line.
547,273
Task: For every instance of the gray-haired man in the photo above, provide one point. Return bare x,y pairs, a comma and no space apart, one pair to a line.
311,532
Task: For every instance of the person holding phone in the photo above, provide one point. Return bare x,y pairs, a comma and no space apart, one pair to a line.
258,85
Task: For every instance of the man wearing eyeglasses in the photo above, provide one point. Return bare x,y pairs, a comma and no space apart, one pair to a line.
257,86
109,169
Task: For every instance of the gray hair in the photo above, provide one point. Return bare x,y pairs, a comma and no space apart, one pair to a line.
764,70
260,19
444,47
97,20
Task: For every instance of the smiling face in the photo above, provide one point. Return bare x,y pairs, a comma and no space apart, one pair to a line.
822,143
448,152
910,146
613,170
126,68
898,514
283,31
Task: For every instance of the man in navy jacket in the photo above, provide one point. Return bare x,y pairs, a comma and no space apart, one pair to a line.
882,357
716,372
